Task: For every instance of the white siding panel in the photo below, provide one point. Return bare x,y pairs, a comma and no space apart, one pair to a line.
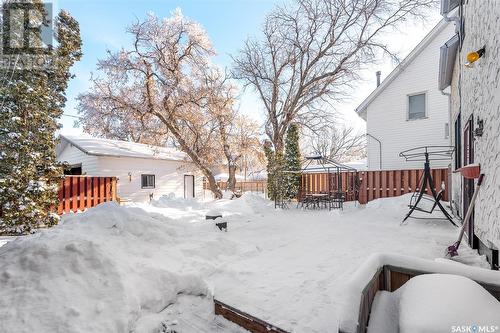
387,114
73,155
169,176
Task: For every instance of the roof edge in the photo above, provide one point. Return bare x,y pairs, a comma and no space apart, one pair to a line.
62,136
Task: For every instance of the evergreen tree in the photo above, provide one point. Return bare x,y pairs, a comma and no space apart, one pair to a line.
32,101
274,167
292,162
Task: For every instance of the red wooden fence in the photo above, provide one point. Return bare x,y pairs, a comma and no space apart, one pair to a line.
393,183
324,182
248,186
373,184
77,193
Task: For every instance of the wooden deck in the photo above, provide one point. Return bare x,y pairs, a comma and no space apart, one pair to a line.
245,320
391,278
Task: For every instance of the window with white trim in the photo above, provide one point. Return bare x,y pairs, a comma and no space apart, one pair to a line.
416,106
147,181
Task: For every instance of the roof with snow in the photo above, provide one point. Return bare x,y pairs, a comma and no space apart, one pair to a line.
361,109
116,148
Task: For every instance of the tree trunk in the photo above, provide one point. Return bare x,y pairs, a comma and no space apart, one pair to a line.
212,184
231,181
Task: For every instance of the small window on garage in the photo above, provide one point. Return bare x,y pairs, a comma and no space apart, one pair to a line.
147,181
416,106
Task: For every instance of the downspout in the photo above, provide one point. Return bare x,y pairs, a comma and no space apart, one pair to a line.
379,149
449,116
450,180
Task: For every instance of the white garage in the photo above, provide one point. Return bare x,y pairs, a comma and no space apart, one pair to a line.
143,171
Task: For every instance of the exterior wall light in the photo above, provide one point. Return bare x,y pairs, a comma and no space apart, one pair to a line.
130,176
472,57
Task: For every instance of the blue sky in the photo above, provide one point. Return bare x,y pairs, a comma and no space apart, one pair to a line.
228,23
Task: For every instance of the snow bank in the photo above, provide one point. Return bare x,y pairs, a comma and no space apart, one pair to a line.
100,271
384,317
5,239
170,201
434,303
248,204
367,270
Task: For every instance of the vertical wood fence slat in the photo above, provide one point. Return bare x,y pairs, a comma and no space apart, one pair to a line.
113,189
406,181
107,195
60,197
95,190
101,189
89,191
74,194
67,194
413,180
399,182
370,185
419,177
81,194
392,190
383,192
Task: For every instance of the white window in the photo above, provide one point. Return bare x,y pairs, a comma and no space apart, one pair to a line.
416,106
147,181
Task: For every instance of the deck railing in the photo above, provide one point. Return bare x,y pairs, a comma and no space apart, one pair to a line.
78,193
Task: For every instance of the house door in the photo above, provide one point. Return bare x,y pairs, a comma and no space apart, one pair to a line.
469,183
188,186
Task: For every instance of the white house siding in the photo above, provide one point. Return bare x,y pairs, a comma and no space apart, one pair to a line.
480,96
387,113
169,176
73,156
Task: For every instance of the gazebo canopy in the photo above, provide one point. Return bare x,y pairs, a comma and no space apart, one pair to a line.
320,163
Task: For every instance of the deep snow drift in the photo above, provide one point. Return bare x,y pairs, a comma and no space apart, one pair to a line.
150,268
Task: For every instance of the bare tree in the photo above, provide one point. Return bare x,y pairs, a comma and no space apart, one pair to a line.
340,144
310,54
238,134
161,81
118,120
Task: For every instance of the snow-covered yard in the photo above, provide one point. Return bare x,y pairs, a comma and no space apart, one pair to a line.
151,268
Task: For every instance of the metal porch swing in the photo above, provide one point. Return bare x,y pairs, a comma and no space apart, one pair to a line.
426,154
